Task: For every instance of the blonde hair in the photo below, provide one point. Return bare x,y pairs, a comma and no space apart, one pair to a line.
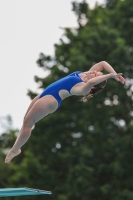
94,91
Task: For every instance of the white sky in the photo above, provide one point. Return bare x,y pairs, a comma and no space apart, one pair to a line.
26,29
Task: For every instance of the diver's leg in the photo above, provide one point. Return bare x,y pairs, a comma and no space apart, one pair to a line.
40,109
30,106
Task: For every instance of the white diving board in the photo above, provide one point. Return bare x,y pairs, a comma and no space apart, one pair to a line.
8,192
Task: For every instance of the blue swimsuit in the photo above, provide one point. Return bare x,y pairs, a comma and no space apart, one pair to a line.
65,83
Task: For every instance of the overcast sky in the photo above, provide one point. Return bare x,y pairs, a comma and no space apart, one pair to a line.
26,29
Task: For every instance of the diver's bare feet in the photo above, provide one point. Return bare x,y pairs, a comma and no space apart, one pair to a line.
11,155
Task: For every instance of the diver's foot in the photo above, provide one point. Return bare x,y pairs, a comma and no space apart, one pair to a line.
11,155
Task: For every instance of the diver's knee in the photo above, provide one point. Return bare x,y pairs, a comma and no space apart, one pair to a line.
28,123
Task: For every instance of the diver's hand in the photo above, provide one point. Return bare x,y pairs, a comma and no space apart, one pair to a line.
117,77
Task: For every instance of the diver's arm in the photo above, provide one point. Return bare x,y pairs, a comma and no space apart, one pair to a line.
103,65
98,79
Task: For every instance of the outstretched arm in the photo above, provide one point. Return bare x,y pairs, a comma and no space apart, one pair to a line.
103,65
94,81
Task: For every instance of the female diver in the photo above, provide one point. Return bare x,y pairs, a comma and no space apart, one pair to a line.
86,84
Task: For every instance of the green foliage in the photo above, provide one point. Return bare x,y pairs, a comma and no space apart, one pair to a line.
84,151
